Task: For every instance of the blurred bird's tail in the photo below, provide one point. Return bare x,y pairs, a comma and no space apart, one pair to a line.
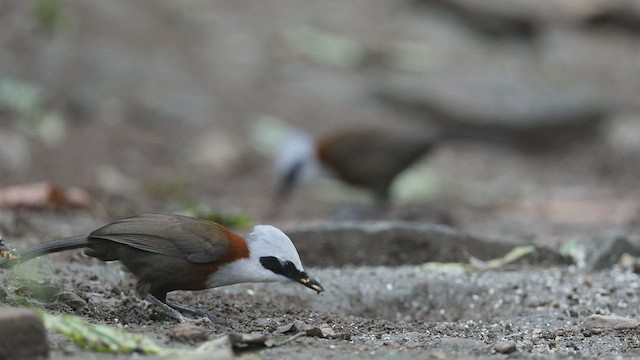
70,243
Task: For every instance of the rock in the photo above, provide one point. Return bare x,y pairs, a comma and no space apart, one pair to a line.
608,322
386,243
190,333
505,347
480,98
43,291
590,53
491,18
22,334
220,348
71,299
606,249
518,110
504,17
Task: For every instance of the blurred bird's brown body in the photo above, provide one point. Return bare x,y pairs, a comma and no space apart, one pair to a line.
365,157
372,158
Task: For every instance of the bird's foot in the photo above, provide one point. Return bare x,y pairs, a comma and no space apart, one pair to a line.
174,310
185,309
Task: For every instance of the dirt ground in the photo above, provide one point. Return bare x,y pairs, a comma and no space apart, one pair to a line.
444,315
397,310
159,102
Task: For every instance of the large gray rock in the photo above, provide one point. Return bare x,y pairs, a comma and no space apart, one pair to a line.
606,249
506,17
22,335
609,322
604,63
402,243
527,111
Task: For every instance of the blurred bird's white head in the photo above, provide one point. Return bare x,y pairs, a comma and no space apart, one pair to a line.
297,161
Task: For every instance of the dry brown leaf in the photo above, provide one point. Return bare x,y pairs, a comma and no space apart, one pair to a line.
327,332
292,328
44,195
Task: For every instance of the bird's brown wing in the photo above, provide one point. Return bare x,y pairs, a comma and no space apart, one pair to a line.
199,241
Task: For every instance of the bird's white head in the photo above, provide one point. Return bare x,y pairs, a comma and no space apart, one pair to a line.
297,161
269,241
272,257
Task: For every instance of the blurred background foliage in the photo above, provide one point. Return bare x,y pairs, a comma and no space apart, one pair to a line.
165,104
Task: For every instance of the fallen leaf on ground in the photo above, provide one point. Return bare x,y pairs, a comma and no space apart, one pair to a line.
104,338
100,338
476,264
292,328
44,195
513,255
327,332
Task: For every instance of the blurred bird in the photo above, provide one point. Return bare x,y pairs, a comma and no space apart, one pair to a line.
365,157
168,252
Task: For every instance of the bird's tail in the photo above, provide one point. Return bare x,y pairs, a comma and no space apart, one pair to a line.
70,243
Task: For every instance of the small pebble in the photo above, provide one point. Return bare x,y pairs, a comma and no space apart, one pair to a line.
609,322
188,333
71,299
505,347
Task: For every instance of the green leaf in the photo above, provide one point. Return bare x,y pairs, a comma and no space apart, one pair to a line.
101,338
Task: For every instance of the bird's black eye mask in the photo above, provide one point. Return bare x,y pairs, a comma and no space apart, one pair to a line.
286,268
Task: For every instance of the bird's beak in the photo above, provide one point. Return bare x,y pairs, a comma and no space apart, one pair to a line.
311,283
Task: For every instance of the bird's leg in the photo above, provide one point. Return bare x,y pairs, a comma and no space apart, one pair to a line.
174,310
188,310
166,308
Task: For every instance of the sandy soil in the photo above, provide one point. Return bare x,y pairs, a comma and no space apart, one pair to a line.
397,310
